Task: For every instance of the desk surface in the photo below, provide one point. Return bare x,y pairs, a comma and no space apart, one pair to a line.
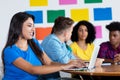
110,70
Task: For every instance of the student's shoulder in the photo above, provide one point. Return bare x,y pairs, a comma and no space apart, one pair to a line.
48,38
73,44
105,43
51,39
90,44
10,49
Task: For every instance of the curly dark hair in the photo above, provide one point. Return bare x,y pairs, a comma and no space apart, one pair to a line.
113,26
91,31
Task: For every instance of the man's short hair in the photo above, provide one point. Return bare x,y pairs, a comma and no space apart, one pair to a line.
113,26
61,23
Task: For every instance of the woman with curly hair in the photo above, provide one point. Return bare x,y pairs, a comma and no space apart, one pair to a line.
83,36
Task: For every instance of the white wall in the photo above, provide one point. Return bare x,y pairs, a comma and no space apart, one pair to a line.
10,7
7,9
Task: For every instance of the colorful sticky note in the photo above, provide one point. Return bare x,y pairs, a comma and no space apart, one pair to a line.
63,2
102,14
98,31
41,33
38,16
53,14
38,2
79,14
93,1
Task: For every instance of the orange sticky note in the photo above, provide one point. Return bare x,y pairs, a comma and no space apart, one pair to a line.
41,33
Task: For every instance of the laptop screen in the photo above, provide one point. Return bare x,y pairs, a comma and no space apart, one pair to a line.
93,58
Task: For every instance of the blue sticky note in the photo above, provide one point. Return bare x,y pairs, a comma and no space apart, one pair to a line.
38,16
102,14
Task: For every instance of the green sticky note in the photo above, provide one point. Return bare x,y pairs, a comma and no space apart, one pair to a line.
53,14
93,1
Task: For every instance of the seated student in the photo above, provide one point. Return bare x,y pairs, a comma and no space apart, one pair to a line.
110,50
83,36
23,57
54,44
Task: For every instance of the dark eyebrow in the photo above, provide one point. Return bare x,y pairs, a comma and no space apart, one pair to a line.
30,24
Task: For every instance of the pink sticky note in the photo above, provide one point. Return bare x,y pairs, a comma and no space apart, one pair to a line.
63,2
98,31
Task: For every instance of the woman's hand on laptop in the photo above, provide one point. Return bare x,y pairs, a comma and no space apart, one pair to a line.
76,63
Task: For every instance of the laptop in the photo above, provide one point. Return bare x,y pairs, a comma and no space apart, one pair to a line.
91,64
93,58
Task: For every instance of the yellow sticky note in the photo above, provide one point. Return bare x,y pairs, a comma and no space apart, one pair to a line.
80,14
38,2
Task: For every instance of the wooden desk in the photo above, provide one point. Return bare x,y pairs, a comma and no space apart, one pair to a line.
110,70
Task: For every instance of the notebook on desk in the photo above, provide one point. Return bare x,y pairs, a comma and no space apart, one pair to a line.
91,64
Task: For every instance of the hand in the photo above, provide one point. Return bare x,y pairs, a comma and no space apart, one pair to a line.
77,63
117,58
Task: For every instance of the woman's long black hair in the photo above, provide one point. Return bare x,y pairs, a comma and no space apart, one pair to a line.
91,31
15,30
